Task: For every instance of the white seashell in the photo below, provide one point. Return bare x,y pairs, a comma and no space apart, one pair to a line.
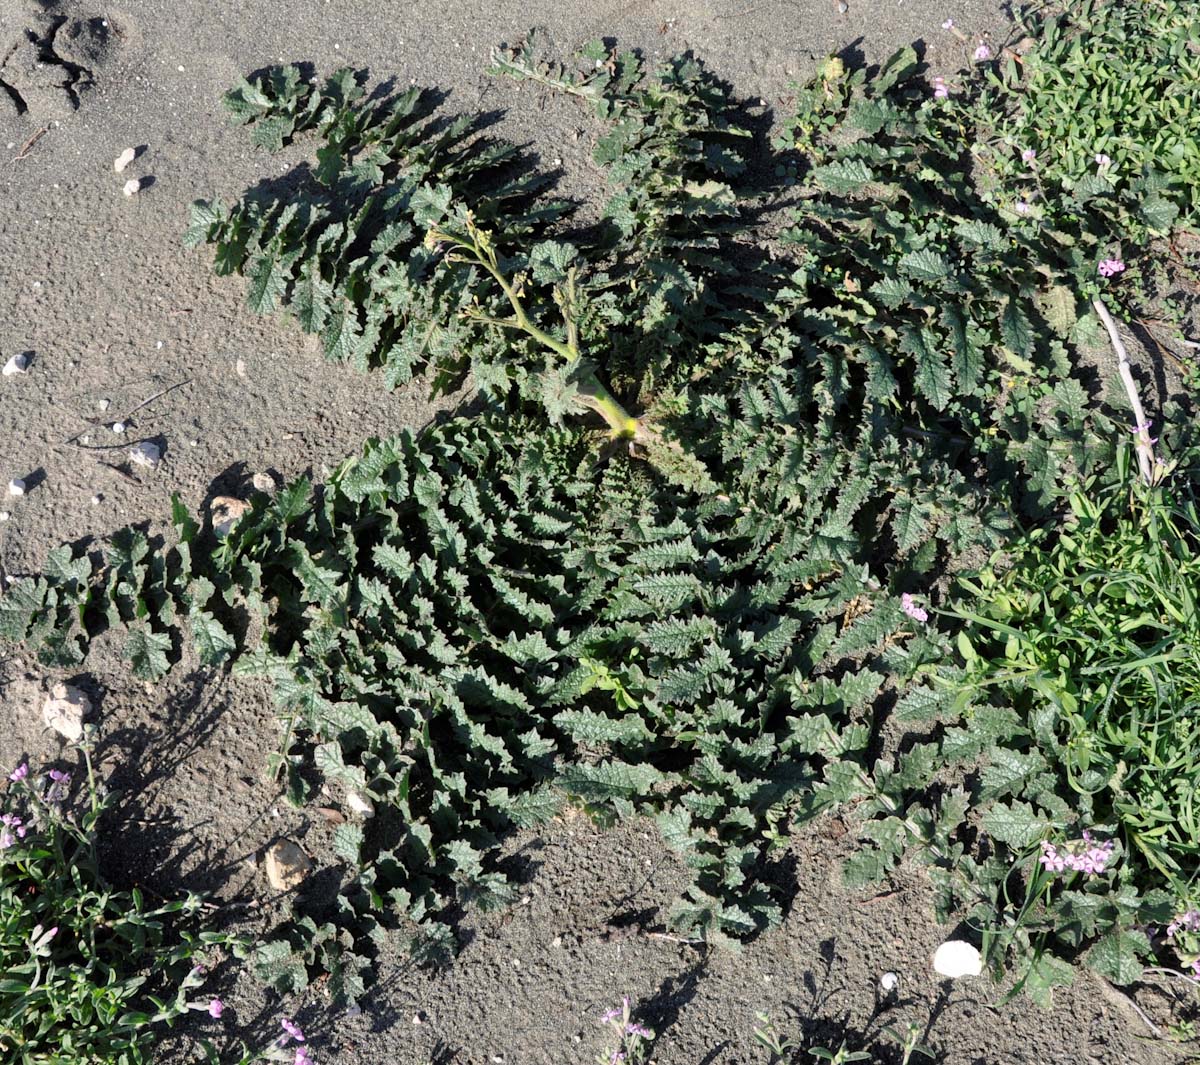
118,427
96,501
16,487
16,364
132,186
146,454
124,159
956,958
103,404
4,515
888,983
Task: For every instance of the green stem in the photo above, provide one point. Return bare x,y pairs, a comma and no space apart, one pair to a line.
592,391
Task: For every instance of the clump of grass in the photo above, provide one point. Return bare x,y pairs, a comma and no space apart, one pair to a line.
87,973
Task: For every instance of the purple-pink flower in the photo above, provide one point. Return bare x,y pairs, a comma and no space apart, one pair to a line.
639,1031
215,1008
982,53
1102,160
1021,207
1185,922
302,1057
292,1029
20,773
1082,856
909,605
940,92
948,24
1110,267
13,830
1028,155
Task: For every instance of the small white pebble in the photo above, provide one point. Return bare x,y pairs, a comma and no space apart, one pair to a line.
17,364
132,186
240,367
124,159
103,404
180,69
193,443
118,427
16,487
888,983
3,515
159,344
96,500
85,439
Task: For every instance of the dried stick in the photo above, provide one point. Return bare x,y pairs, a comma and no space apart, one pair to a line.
1142,442
27,147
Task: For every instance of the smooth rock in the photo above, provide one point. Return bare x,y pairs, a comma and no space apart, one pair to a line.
64,710
263,482
124,159
225,511
17,364
287,865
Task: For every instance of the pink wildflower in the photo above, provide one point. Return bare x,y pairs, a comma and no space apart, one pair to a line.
302,1057
1110,267
948,24
1028,155
983,53
910,607
1185,922
292,1029
1021,207
940,92
215,1008
1082,856
20,773
1102,160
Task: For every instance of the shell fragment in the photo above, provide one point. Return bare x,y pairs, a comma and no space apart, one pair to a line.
17,364
146,454
16,487
124,159
132,186
956,958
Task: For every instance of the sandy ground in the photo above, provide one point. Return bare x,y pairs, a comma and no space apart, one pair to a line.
97,288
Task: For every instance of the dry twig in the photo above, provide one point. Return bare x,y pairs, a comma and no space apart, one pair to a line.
1142,441
27,147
